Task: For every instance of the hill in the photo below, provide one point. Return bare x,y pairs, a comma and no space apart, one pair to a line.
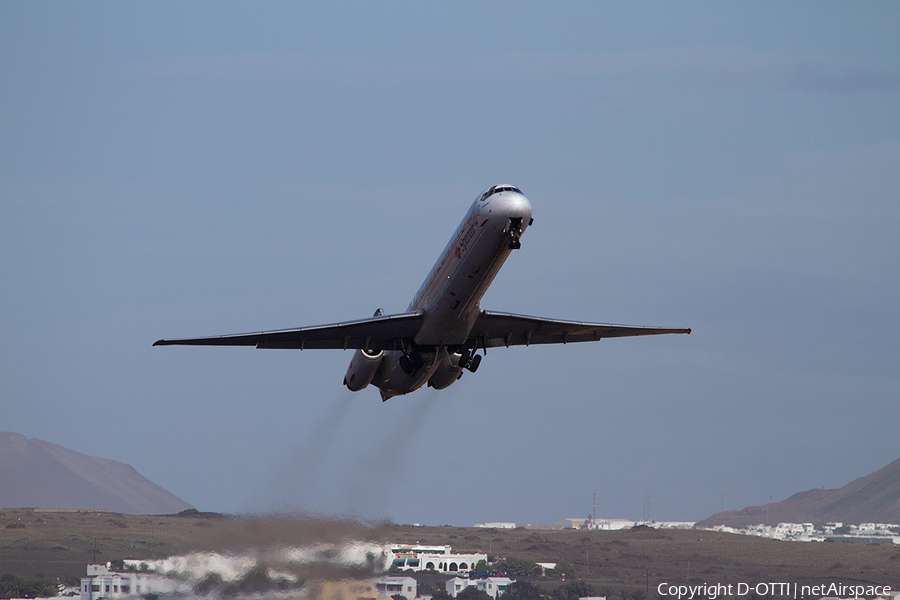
35,473
61,544
874,498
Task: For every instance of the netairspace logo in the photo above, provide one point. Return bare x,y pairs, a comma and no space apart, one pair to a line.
772,589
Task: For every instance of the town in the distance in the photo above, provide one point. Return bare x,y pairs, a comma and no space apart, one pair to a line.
398,571
468,576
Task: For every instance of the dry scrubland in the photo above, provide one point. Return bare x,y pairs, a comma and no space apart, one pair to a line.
54,545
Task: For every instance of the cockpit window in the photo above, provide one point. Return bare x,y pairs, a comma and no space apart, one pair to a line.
497,189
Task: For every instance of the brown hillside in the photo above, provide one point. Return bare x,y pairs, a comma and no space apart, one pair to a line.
35,473
874,498
61,544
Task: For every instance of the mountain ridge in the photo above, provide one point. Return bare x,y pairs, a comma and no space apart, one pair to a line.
873,498
38,473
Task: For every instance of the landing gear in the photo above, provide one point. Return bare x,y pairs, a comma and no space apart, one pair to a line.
465,357
467,361
410,363
514,230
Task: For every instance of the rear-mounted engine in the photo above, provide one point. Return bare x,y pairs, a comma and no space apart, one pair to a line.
362,369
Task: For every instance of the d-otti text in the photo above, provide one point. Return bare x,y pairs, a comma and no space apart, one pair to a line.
788,590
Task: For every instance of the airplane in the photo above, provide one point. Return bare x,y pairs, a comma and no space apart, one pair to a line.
438,336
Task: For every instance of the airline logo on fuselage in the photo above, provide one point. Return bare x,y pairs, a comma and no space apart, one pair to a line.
466,236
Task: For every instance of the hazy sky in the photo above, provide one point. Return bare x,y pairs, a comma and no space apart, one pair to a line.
188,169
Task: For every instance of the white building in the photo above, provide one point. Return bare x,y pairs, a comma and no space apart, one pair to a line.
385,587
603,524
439,558
799,532
674,524
103,583
613,524
492,586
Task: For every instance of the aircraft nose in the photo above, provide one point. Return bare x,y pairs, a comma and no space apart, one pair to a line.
517,206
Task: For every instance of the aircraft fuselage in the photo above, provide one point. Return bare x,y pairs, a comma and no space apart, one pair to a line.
450,295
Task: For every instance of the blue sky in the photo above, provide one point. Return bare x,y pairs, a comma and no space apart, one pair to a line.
174,170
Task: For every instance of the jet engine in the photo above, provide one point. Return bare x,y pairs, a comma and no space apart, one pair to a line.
445,374
362,369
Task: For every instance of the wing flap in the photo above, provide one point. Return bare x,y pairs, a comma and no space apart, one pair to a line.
494,329
377,333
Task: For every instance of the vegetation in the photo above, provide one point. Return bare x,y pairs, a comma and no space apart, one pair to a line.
13,586
563,569
441,594
523,590
473,593
118,565
573,591
842,530
518,566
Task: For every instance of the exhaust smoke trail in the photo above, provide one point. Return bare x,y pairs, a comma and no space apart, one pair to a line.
294,483
377,467
293,555
349,466
274,556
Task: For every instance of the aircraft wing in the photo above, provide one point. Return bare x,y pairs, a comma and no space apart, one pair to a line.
493,329
375,333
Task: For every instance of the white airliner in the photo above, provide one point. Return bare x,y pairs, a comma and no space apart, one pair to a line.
443,328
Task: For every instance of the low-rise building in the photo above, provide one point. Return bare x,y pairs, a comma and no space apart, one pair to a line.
385,587
613,524
492,586
674,524
589,523
438,558
807,532
101,582
571,523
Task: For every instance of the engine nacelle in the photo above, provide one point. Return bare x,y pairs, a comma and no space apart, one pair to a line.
444,375
362,369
